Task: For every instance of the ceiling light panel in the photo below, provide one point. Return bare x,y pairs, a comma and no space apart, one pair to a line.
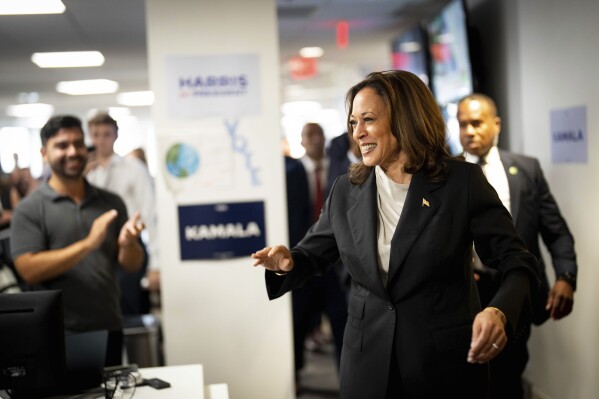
68,59
84,87
311,52
136,98
27,7
30,110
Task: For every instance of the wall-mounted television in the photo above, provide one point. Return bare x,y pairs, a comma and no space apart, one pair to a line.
409,53
451,71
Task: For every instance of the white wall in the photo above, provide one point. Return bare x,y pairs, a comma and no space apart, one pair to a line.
544,56
559,43
217,312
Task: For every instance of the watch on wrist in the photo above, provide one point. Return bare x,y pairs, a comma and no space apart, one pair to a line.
569,278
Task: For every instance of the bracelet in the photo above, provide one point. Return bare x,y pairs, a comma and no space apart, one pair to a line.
500,313
281,273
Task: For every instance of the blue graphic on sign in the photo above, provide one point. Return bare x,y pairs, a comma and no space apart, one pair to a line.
221,231
182,160
240,145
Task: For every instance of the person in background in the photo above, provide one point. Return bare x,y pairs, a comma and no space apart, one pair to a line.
22,182
6,204
403,222
343,152
140,154
153,273
72,236
306,193
9,198
523,190
8,281
130,179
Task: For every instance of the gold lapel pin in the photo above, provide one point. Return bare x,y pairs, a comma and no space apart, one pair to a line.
425,202
513,170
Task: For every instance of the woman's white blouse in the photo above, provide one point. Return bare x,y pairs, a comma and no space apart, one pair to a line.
391,197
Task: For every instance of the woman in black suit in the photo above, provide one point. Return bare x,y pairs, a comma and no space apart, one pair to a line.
403,221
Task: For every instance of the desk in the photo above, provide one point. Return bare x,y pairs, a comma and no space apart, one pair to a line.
186,382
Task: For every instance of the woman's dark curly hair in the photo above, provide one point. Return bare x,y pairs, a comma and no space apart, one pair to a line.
416,123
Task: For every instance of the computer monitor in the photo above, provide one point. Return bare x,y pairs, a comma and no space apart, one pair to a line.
410,53
451,70
32,351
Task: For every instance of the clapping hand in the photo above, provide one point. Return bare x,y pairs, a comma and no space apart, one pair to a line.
131,230
97,233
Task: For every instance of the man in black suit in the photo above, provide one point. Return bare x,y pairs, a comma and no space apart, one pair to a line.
341,155
522,188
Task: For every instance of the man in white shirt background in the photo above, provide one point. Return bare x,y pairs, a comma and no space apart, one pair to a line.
129,178
523,190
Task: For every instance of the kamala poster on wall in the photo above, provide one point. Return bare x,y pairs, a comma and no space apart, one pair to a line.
221,231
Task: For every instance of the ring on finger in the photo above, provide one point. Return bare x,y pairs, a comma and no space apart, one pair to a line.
495,345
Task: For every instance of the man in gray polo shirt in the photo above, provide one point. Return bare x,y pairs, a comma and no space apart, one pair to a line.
69,235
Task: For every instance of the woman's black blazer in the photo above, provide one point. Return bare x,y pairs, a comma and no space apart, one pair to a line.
418,328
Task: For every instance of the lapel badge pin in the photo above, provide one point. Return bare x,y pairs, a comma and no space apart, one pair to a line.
513,170
425,202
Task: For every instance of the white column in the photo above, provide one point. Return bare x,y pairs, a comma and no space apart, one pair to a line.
214,70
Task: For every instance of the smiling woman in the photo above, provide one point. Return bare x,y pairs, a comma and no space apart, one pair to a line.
370,126
411,139
403,223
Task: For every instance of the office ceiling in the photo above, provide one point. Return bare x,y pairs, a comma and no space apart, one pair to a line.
117,29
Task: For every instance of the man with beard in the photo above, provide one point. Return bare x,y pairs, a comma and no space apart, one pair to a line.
71,236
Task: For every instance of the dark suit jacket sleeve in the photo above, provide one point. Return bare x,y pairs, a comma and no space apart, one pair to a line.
553,228
299,208
307,264
500,248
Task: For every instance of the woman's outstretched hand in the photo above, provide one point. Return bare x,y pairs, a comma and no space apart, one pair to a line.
277,259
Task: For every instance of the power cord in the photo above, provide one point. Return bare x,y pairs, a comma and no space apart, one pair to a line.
120,384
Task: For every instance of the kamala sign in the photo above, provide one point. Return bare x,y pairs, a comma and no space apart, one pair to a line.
569,143
221,231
